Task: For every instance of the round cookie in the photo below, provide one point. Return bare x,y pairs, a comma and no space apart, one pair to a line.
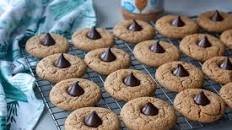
201,46
226,38
226,94
71,94
215,21
177,76
127,84
176,26
90,39
113,59
134,31
148,113
213,70
46,68
46,44
199,105
92,118
155,53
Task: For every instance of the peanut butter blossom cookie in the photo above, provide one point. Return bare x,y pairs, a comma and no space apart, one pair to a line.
226,38
219,69
226,94
176,26
46,44
134,31
177,76
60,66
155,53
201,46
199,105
148,113
71,94
107,60
215,21
127,84
90,39
92,118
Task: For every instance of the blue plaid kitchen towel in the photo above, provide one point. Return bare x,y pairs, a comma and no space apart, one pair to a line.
19,20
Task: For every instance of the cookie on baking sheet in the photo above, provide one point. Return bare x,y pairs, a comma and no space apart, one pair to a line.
107,60
201,46
60,66
92,118
226,94
155,53
90,39
148,113
71,94
134,31
226,38
199,105
215,21
127,84
219,69
46,44
178,75
176,26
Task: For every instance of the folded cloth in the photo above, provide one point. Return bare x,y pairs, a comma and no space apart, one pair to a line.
19,20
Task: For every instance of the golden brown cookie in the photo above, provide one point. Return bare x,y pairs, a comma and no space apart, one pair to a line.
127,84
176,26
155,53
148,113
199,105
226,38
201,46
215,21
226,94
46,44
134,31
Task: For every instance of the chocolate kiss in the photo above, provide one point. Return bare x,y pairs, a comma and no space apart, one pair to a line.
217,17
204,42
93,34
135,26
62,62
93,120
75,90
178,22
131,80
149,109
48,40
108,55
180,71
226,64
157,48
201,99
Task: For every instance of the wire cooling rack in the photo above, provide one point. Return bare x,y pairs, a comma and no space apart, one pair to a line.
107,101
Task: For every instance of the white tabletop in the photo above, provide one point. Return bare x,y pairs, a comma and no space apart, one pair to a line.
108,14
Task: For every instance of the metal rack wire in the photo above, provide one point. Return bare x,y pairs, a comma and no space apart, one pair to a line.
107,101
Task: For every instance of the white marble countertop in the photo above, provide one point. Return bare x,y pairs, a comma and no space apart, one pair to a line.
108,14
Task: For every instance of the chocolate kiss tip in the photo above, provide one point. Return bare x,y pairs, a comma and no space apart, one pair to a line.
204,42
131,80
201,99
48,40
217,17
157,48
135,26
180,71
108,55
62,62
93,120
75,90
149,109
93,34
178,22
226,64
